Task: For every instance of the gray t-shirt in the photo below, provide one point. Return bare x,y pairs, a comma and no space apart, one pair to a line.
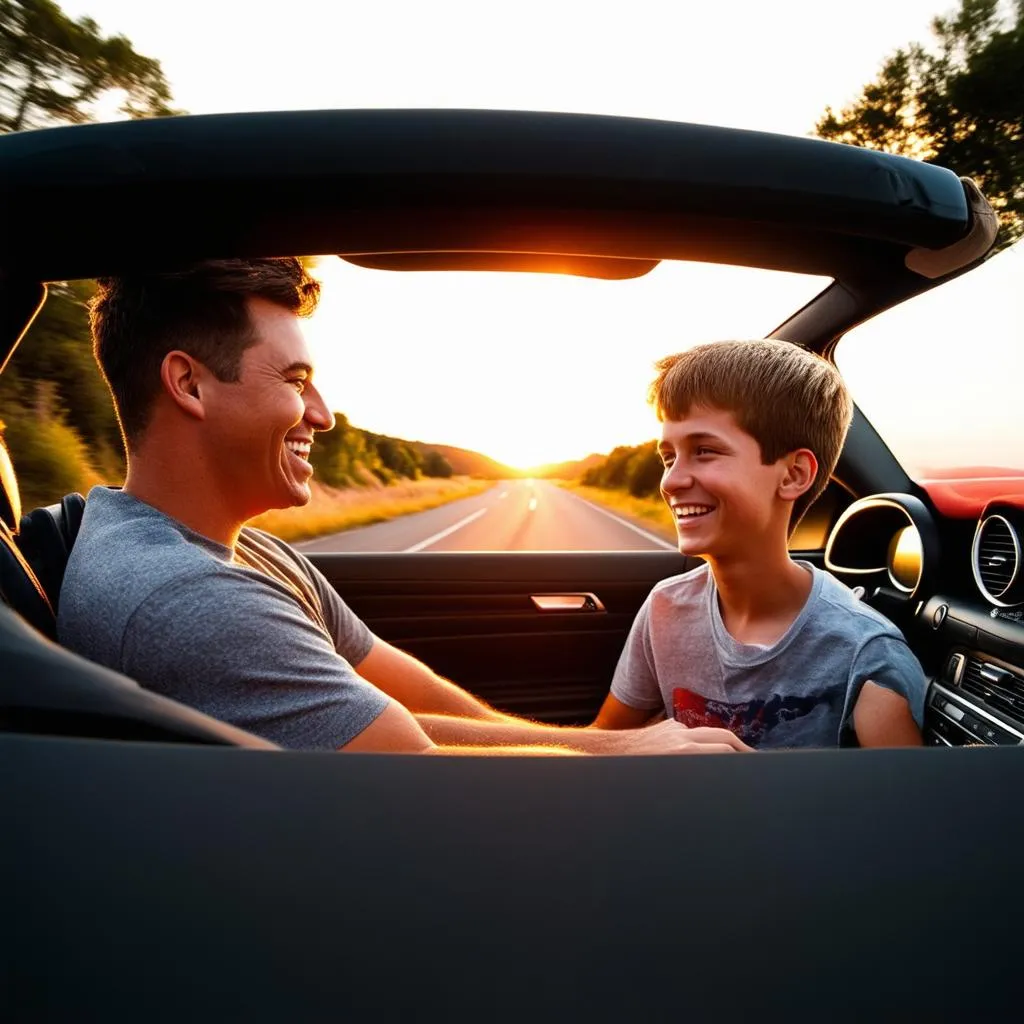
259,639
798,692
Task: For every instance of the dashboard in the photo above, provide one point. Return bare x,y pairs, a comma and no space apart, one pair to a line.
956,589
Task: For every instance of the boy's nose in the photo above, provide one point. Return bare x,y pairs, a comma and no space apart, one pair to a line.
676,479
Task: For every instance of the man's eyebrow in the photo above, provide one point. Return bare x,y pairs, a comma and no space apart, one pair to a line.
297,367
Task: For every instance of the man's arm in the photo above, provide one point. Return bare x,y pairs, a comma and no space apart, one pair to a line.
411,683
396,731
882,718
616,715
663,738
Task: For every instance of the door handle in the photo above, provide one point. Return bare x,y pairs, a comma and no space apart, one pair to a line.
567,602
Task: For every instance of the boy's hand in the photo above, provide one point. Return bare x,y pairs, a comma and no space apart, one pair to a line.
674,738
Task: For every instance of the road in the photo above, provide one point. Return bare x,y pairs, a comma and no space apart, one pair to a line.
514,515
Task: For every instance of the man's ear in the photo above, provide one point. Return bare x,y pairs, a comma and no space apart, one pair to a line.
801,468
181,377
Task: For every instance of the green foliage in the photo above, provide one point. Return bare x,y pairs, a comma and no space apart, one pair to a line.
60,423
50,459
53,69
436,465
58,349
959,104
346,455
397,458
635,469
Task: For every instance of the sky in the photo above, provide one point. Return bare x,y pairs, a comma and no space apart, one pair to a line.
526,368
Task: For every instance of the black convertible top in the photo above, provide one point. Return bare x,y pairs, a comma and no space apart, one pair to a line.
79,201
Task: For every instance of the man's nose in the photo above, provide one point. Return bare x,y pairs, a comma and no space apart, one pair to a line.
318,416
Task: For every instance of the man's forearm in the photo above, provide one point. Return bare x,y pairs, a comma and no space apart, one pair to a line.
449,730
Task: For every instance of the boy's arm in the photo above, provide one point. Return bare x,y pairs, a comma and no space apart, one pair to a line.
635,679
888,709
882,718
616,715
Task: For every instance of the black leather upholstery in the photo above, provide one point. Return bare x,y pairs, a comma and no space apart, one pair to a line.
46,536
20,589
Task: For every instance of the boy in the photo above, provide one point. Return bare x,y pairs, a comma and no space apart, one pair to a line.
777,651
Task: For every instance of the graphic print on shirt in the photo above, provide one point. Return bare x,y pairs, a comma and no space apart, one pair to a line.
751,720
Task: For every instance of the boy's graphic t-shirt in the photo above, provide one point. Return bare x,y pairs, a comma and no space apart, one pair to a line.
798,692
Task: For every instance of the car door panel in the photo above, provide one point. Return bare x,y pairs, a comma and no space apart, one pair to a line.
471,618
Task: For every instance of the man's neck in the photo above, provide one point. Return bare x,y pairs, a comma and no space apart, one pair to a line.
761,597
173,491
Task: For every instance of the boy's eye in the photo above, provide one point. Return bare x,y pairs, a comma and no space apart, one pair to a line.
705,450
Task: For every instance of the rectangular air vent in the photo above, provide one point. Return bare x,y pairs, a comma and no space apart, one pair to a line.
997,687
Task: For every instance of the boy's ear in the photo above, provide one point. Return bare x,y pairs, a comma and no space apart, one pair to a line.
801,468
181,376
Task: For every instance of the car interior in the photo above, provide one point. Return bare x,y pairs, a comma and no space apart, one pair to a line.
162,863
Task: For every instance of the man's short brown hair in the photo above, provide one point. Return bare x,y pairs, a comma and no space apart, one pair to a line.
138,318
782,395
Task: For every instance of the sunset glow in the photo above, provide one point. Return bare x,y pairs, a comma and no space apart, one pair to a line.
525,368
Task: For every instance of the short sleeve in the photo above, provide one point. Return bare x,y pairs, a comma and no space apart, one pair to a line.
635,682
244,652
888,661
353,639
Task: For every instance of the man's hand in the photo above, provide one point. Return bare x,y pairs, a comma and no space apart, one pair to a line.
674,738
663,738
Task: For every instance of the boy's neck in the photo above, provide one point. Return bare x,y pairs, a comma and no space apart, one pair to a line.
759,599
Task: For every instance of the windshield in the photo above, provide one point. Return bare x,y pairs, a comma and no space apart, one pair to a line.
526,368
938,376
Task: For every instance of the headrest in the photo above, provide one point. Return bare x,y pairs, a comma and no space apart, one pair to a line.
10,500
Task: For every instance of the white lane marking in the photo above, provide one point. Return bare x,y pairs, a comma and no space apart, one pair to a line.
504,494
533,504
660,541
445,533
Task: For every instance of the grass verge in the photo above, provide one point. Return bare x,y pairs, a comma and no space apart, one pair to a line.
653,512
331,510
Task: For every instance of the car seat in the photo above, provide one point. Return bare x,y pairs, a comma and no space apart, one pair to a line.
46,536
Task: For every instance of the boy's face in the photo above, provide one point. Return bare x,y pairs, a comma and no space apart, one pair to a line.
726,502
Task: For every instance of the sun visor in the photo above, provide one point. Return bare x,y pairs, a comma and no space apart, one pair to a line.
933,263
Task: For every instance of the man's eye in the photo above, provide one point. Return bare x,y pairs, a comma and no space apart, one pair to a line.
299,383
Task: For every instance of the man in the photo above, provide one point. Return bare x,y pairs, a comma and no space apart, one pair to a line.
214,389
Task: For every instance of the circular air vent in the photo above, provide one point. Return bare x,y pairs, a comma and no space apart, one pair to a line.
996,559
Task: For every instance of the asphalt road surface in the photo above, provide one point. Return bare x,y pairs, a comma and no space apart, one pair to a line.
514,515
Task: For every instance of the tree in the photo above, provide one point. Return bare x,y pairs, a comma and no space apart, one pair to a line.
643,471
959,104
53,69
436,465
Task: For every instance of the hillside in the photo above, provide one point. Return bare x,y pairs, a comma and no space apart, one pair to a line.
567,470
465,462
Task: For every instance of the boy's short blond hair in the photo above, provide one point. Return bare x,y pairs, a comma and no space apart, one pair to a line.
782,395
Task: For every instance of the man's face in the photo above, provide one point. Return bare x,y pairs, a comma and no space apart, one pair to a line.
261,427
723,497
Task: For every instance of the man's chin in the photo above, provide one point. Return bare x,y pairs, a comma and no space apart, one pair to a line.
299,495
